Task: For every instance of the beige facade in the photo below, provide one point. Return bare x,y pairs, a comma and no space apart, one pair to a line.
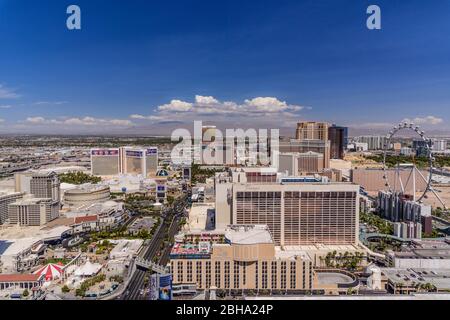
42,202
5,200
296,213
304,146
223,204
294,163
33,211
311,130
124,160
105,162
45,185
310,162
288,163
87,194
335,175
242,265
40,185
208,133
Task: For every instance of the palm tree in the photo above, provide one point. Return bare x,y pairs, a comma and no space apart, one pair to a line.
399,285
340,263
328,260
428,287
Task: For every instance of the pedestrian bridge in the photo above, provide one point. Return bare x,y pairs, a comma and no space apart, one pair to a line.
150,265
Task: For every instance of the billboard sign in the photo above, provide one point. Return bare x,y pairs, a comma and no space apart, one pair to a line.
165,287
105,152
187,173
134,154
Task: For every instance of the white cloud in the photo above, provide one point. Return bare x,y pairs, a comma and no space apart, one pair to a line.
2,120
35,120
178,110
142,117
428,120
7,93
85,121
138,116
177,106
205,100
120,122
372,125
270,105
5,107
49,103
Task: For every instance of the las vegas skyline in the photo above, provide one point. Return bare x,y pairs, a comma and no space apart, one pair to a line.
147,68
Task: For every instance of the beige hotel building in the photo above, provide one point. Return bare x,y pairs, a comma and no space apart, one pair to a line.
247,259
298,211
271,233
312,130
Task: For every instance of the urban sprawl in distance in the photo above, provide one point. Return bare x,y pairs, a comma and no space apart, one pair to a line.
361,216
228,153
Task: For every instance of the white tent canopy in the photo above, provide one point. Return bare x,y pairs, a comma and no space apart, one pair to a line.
88,269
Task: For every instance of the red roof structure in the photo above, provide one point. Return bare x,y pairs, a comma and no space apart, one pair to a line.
19,277
85,219
51,271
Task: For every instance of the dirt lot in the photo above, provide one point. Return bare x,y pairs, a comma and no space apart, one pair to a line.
444,194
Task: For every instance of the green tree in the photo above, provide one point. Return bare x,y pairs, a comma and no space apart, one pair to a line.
65,289
78,178
170,200
79,292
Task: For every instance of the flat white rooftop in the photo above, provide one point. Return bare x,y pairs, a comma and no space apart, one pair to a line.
126,247
14,247
7,185
198,216
326,278
257,169
285,254
248,234
14,232
30,201
412,276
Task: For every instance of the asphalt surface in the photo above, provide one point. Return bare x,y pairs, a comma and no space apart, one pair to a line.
136,284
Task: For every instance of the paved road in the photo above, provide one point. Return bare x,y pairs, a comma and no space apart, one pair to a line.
164,259
137,281
136,284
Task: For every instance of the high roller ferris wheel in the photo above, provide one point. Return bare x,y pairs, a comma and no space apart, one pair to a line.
414,171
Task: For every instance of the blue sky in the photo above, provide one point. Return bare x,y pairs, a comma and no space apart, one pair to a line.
151,66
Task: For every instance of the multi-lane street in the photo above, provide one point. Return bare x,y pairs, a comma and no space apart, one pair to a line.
169,226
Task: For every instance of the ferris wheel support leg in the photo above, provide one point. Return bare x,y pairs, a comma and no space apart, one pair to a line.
439,198
409,178
429,187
